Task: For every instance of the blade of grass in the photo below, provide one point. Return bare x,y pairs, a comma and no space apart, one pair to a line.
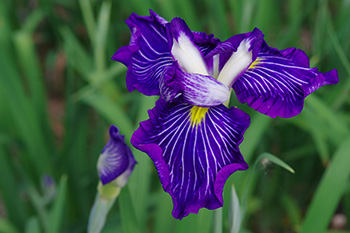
338,128
5,29
26,119
218,19
74,158
253,135
235,215
111,111
266,17
344,93
129,221
57,211
33,226
217,221
187,224
30,65
14,204
318,134
329,191
275,160
247,15
77,56
164,222
101,35
89,19
33,20
290,205
187,11
7,227
140,181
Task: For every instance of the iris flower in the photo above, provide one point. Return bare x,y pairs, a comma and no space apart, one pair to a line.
114,167
116,161
191,136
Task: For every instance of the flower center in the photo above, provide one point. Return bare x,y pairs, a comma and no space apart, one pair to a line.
197,114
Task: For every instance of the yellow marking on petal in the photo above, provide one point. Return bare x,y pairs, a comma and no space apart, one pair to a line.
197,114
255,63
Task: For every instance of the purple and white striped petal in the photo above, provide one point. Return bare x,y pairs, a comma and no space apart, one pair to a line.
116,160
277,82
195,149
196,89
148,53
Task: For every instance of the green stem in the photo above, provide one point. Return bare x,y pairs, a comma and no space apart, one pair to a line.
217,223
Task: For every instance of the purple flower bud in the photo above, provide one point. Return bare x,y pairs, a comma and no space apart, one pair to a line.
116,161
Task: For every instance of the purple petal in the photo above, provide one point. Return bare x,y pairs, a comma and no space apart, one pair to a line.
195,150
206,43
147,54
277,82
196,89
116,159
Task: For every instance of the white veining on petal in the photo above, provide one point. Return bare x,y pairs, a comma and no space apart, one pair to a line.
149,46
109,161
161,36
203,91
194,153
188,55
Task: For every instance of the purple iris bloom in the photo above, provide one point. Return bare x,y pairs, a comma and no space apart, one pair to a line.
191,136
116,161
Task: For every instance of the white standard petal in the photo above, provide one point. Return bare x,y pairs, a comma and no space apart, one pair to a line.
236,64
188,55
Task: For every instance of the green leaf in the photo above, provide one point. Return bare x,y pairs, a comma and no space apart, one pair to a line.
275,160
217,222
235,216
33,226
7,227
329,191
101,35
163,220
111,111
56,214
254,134
89,19
129,221
15,207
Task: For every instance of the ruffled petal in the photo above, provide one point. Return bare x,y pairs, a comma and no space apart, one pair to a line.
277,82
116,160
195,150
196,89
148,53
206,43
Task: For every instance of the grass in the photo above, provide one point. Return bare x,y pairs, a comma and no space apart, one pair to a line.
59,92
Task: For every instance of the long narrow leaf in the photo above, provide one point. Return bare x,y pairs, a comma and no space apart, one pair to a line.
56,214
329,191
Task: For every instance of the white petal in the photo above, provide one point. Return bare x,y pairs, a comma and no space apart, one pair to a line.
188,55
236,64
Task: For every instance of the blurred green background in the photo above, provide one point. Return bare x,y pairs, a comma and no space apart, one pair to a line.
59,92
